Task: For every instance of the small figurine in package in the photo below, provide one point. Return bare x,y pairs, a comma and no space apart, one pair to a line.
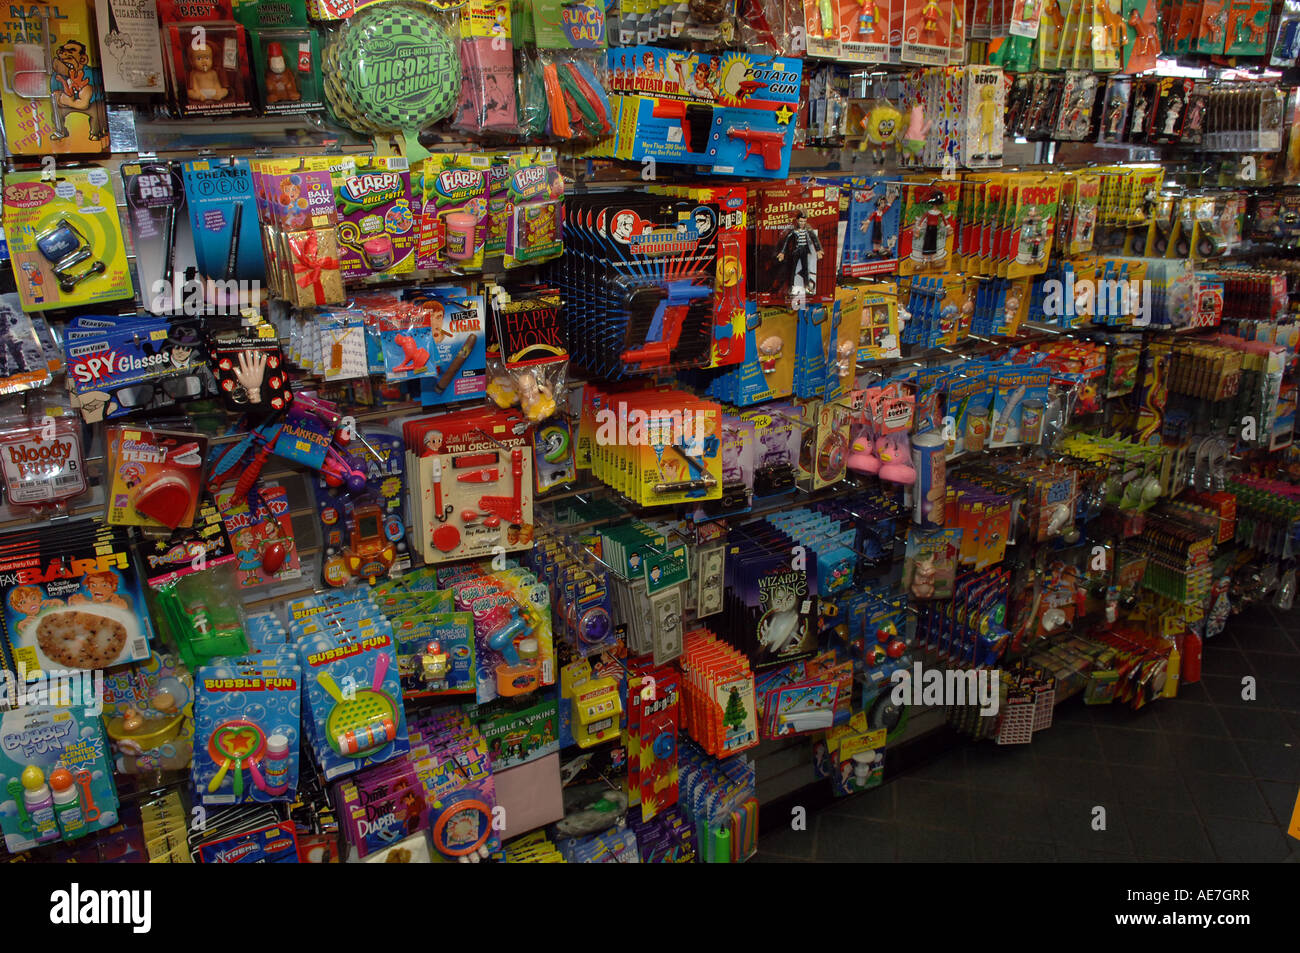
287,81
209,68
1115,110
527,367
985,105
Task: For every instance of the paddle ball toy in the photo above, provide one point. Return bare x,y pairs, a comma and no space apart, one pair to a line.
235,744
359,726
399,67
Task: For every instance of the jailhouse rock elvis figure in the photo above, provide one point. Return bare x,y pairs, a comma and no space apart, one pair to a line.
799,252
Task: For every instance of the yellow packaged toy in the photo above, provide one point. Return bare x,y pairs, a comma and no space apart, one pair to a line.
51,83
65,238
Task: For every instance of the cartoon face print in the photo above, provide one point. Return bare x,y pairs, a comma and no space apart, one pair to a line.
180,355
72,54
703,223
102,588
624,227
25,600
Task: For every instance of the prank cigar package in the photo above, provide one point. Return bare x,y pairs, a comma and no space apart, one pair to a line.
459,346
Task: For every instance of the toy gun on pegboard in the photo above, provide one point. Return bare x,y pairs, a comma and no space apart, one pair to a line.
673,304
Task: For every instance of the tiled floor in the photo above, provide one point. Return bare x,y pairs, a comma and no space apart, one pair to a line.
1207,776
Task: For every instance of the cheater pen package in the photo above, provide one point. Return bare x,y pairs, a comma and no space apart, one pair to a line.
223,215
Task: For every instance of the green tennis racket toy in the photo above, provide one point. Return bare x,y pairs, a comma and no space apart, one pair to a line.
361,725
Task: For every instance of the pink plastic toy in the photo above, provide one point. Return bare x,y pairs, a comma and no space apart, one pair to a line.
861,459
894,451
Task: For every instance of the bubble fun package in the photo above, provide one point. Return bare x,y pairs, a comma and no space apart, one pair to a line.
56,775
246,717
65,238
354,713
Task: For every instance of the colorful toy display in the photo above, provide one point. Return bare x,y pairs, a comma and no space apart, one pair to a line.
540,432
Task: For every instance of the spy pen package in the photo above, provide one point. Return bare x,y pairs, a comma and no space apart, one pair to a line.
160,226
